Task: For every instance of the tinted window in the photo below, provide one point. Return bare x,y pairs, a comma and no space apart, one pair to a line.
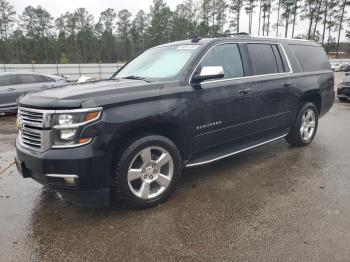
263,59
227,56
8,80
28,79
43,78
311,58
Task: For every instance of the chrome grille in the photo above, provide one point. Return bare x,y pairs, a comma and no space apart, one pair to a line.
30,138
36,127
31,117
33,133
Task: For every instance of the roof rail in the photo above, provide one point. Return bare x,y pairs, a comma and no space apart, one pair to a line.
239,33
231,34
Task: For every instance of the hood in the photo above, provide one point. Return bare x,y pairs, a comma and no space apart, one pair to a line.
89,94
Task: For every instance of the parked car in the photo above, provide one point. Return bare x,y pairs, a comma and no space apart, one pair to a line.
336,67
345,68
343,90
13,85
175,106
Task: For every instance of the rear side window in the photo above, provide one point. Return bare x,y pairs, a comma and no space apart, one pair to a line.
311,58
263,59
8,80
28,79
43,78
227,56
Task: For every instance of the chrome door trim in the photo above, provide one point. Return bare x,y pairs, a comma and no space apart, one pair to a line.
242,77
235,152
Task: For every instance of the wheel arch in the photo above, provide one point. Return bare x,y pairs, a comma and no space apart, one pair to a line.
314,97
169,129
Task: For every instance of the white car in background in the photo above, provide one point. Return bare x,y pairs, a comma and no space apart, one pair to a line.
336,67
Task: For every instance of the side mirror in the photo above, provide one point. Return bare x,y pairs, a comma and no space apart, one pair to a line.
207,73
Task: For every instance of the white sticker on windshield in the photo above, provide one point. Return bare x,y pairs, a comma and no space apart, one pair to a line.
191,47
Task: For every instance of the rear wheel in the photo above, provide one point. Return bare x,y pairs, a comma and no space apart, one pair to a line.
147,171
342,99
305,126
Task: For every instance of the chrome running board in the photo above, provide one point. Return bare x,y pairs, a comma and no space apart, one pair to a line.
194,164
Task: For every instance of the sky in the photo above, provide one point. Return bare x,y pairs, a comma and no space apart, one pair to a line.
95,7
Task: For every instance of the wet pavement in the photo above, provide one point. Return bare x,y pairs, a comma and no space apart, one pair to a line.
273,203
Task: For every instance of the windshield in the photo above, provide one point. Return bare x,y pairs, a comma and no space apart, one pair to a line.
158,63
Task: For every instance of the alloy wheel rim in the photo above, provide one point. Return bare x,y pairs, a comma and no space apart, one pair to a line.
150,172
308,124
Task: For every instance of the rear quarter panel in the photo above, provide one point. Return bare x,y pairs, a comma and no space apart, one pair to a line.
316,83
319,83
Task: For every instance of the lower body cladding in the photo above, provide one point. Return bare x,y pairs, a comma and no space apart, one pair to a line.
80,174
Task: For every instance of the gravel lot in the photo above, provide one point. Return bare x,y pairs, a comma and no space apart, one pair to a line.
273,203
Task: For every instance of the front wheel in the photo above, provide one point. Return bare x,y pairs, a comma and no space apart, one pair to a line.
147,171
305,126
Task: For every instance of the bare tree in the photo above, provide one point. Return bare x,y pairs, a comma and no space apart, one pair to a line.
287,7
259,26
266,10
235,8
278,16
250,10
344,4
295,10
325,13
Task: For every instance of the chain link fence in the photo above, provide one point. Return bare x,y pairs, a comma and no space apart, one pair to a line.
71,71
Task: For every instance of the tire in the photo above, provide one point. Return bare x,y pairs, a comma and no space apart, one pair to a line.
305,126
146,172
342,99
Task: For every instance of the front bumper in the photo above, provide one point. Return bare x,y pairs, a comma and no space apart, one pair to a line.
87,163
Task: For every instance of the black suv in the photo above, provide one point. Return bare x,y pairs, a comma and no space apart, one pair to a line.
175,106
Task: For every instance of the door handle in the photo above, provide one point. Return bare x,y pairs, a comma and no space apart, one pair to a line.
245,91
11,89
286,84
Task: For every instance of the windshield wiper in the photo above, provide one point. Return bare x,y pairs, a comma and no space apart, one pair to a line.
137,78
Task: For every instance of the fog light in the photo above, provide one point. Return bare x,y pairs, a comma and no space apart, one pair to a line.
63,179
69,180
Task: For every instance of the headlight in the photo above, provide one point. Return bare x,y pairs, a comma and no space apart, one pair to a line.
67,127
65,119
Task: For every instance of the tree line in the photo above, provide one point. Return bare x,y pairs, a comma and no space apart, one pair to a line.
35,36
